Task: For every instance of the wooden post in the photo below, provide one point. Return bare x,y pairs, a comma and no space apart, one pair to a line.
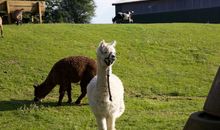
8,12
39,11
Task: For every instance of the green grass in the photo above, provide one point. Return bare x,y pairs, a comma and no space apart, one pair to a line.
166,69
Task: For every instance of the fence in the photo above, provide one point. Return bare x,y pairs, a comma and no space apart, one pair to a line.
7,8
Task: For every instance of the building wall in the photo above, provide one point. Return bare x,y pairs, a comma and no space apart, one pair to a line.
155,6
206,15
188,10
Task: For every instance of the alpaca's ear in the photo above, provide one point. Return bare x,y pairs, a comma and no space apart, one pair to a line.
113,43
102,44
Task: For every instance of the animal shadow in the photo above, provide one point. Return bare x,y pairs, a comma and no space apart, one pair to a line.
13,104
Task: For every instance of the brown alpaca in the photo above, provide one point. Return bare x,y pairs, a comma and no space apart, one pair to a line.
1,26
18,16
64,72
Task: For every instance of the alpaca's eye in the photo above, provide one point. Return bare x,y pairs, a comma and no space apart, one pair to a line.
104,52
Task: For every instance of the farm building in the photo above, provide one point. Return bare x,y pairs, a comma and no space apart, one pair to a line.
164,11
33,7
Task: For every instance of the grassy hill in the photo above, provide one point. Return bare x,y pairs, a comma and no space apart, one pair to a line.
166,69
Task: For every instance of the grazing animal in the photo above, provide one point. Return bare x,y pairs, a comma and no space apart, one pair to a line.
123,17
64,72
1,26
18,16
105,91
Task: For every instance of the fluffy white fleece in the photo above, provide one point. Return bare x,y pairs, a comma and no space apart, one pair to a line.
105,111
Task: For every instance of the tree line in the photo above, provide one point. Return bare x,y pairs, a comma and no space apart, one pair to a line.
69,11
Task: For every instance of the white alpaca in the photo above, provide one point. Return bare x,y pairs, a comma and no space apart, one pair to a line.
106,111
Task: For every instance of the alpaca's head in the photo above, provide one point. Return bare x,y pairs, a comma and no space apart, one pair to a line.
38,94
106,53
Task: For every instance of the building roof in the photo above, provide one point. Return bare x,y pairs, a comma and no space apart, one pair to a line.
127,1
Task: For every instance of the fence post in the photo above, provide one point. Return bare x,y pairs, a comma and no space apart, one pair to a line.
39,11
8,11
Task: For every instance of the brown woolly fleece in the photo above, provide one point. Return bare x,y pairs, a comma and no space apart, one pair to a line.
64,72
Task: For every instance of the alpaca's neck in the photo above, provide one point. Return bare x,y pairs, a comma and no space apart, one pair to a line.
46,87
102,73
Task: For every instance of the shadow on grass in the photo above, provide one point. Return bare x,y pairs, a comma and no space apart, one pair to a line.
17,104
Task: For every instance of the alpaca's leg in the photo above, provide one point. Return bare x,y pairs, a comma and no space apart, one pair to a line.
101,122
83,94
83,85
62,92
111,123
69,93
21,22
1,27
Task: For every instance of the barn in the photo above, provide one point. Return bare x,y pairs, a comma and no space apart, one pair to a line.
166,11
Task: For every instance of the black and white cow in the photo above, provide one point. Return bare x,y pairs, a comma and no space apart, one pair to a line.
123,17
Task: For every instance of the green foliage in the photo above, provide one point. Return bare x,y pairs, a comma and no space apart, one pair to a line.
166,69
69,11
53,12
79,11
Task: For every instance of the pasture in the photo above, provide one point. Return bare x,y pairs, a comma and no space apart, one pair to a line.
167,71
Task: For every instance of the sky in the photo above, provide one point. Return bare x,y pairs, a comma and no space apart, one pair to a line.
104,11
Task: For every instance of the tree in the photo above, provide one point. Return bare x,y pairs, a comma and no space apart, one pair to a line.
53,13
70,11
